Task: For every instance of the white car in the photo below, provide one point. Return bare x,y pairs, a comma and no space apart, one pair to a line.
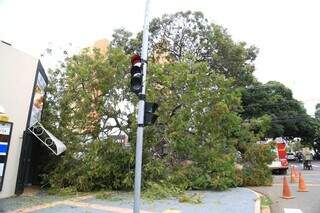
290,156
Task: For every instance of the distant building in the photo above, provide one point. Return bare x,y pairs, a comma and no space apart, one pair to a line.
102,45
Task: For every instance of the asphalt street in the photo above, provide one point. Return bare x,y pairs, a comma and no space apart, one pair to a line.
306,202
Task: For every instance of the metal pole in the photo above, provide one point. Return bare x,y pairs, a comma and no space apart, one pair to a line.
144,55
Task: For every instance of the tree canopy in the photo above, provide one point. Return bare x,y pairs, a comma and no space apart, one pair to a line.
204,84
188,36
289,118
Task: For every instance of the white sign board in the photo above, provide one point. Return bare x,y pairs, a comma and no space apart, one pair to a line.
1,169
5,128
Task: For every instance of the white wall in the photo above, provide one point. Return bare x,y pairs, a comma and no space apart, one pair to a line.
17,74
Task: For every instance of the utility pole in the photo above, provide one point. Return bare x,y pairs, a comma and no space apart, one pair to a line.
142,95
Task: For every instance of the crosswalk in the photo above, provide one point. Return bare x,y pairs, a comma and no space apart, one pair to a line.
172,211
286,210
315,166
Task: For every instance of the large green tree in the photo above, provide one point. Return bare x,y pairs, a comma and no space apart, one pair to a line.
289,118
195,72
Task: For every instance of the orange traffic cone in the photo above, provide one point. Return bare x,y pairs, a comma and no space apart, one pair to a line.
286,192
302,186
294,177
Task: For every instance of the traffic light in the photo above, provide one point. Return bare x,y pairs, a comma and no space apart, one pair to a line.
136,74
149,110
136,84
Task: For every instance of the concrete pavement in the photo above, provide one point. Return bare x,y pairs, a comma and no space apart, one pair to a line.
237,200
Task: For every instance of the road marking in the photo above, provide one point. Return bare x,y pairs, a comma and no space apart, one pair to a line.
113,209
308,184
48,205
304,174
310,174
76,202
172,211
292,210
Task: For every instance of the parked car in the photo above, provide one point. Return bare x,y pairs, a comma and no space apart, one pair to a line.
291,156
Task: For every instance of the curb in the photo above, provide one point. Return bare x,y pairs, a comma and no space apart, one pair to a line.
258,208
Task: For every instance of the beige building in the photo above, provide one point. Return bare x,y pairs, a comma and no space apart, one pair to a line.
102,45
22,85
17,75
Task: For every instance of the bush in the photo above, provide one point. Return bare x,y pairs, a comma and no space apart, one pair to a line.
63,191
257,176
193,199
186,177
103,195
155,191
239,177
255,171
100,165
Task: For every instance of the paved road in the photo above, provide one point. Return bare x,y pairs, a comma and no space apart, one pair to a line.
306,202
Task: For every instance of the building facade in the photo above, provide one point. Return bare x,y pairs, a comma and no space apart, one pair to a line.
22,93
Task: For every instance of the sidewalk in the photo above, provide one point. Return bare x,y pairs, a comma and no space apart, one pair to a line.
235,200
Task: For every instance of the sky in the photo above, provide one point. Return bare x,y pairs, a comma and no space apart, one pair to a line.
287,32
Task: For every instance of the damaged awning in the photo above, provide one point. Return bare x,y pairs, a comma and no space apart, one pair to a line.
47,138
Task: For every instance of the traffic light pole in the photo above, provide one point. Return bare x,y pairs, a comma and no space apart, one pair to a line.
139,144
